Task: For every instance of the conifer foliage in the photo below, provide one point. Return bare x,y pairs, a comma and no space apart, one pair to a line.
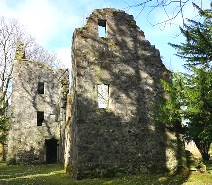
196,99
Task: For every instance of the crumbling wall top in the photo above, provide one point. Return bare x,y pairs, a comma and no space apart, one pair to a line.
113,20
20,51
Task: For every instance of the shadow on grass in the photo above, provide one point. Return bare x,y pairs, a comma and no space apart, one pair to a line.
55,175
32,174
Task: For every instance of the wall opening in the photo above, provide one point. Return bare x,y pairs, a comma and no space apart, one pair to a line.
52,117
103,95
40,118
40,87
102,28
51,150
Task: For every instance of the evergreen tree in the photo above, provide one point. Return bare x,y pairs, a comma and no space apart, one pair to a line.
197,86
170,112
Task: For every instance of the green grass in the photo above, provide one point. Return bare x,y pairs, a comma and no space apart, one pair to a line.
55,175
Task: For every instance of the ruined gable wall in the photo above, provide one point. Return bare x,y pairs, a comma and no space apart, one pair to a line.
26,141
124,137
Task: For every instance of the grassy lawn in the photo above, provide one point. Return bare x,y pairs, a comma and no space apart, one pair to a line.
55,175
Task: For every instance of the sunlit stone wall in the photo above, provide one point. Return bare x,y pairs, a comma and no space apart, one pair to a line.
26,140
112,129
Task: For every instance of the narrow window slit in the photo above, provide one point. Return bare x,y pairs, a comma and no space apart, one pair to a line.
40,118
40,87
102,28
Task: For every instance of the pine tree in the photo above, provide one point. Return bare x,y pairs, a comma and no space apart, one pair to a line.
197,88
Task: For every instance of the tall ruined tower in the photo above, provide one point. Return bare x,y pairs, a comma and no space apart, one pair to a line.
112,126
36,111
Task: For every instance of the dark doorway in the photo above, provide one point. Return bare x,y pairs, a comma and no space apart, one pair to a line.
51,150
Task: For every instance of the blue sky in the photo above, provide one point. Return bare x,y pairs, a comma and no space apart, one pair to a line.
52,23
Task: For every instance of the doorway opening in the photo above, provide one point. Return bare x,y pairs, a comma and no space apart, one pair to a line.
51,150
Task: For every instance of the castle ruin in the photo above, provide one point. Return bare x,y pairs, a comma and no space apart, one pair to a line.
108,126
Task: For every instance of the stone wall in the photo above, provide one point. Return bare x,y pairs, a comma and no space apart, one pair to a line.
191,146
124,137
26,140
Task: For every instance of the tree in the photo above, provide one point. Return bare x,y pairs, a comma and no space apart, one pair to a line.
197,85
11,33
197,50
198,100
170,113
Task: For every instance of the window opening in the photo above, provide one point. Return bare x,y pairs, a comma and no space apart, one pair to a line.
103,95
52,117
102,28
40,87
40,118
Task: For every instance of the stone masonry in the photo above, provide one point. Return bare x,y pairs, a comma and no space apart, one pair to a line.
36,111
111,126
108,126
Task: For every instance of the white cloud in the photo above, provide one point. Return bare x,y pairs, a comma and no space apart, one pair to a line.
38,16
45,21
42,18
64,54
51,22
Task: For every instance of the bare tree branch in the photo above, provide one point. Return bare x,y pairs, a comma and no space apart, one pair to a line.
178,9
11,32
